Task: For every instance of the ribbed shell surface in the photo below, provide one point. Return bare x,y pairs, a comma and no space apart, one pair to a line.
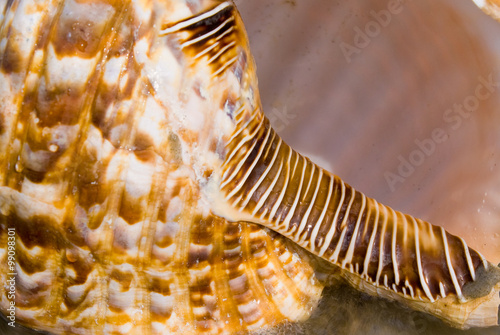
110,120
136,163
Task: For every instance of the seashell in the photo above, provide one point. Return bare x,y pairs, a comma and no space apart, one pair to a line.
398,87
110,126
130,182
354,127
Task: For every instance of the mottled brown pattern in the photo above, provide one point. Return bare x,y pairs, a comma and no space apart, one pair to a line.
12,60
100,182
118,117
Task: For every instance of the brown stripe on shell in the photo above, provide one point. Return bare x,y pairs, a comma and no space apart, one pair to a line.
212,37
269,183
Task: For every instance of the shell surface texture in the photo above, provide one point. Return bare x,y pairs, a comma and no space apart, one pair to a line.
143,191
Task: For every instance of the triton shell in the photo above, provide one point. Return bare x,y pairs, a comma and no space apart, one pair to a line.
145,192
